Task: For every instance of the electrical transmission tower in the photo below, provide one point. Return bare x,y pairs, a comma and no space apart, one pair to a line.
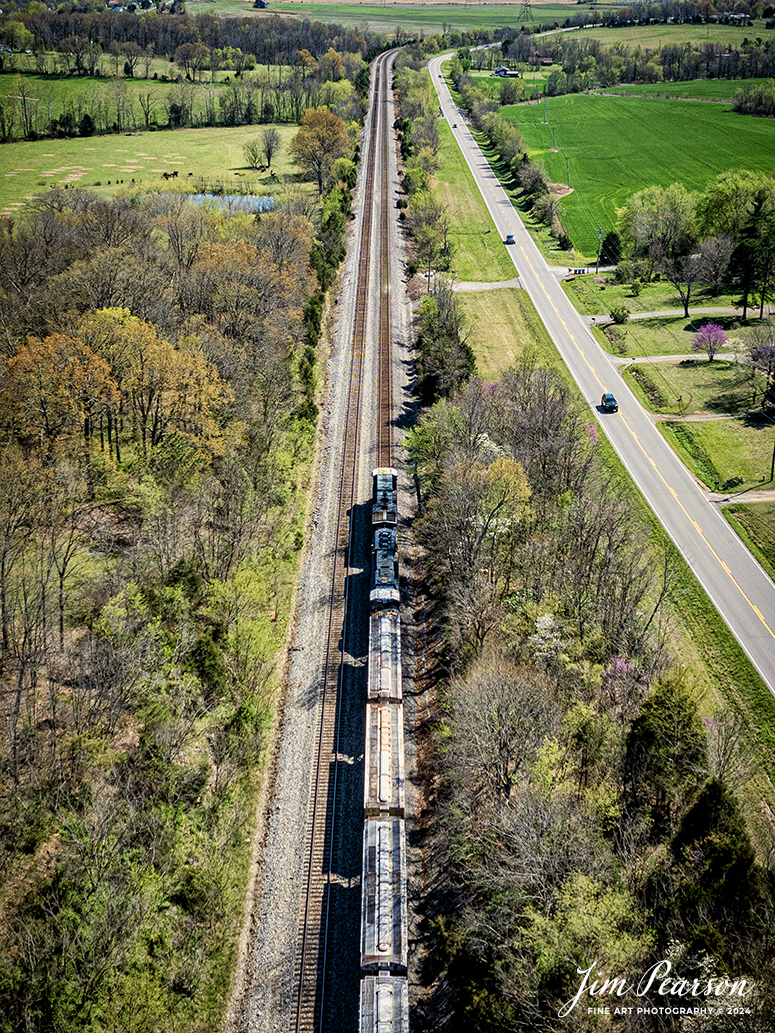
525,13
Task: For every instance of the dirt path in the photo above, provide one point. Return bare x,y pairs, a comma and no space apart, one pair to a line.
463,287
752,495
673,313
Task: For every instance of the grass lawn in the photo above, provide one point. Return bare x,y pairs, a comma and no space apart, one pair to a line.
616,146
730,454
717,387
665,335
755,523
596,296
503,323
480,254
214,156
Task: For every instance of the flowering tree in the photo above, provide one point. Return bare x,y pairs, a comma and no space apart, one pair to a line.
710,339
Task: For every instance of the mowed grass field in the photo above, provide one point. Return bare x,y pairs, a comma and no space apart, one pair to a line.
698,89
671,335
726,455
694,386
616,146
654,36
479,253
105,163
428,17
502,324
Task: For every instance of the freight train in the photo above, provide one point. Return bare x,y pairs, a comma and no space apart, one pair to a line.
384,1001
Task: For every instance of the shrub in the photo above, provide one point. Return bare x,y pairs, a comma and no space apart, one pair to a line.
620,314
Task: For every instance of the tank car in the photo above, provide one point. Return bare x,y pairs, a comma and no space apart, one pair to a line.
385,656
383,900
383,792
384,577
384,1005
384,497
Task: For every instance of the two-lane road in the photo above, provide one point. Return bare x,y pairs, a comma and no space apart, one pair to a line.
741,591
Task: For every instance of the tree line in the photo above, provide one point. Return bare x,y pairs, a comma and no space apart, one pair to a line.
157,391
588,817
338,82
445,358
588,63
271,40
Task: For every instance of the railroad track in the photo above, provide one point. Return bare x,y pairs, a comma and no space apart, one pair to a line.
312,964
385,415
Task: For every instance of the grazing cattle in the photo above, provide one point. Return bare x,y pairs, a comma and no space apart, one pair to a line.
273,175
190,174
174,174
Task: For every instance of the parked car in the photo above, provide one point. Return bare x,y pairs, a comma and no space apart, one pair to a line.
608,403
509,238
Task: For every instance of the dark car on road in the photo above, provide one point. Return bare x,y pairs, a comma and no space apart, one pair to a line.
608,403
509,238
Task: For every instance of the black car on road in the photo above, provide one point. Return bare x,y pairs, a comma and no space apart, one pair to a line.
608,403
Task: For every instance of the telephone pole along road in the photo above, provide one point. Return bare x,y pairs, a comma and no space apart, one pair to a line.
738,587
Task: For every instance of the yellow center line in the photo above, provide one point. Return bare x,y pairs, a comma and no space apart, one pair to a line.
694,523
699,531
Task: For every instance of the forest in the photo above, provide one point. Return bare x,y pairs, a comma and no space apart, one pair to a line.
588,815
157,381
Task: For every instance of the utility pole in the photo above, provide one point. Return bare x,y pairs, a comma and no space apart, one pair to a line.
599,248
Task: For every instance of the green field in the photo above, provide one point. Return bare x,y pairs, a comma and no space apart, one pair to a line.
699,89
618,145
429,18
727,455
213,156
479,253
694,386
502,324
655,36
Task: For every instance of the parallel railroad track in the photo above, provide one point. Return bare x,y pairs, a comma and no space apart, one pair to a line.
385,416
312,964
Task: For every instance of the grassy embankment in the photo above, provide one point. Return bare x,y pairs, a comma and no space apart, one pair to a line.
500,320
107,163
755,523
504,324
616,146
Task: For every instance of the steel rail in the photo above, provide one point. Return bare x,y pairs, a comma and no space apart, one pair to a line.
312,951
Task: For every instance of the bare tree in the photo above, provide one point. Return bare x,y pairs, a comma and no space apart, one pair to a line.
501,715
270,143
